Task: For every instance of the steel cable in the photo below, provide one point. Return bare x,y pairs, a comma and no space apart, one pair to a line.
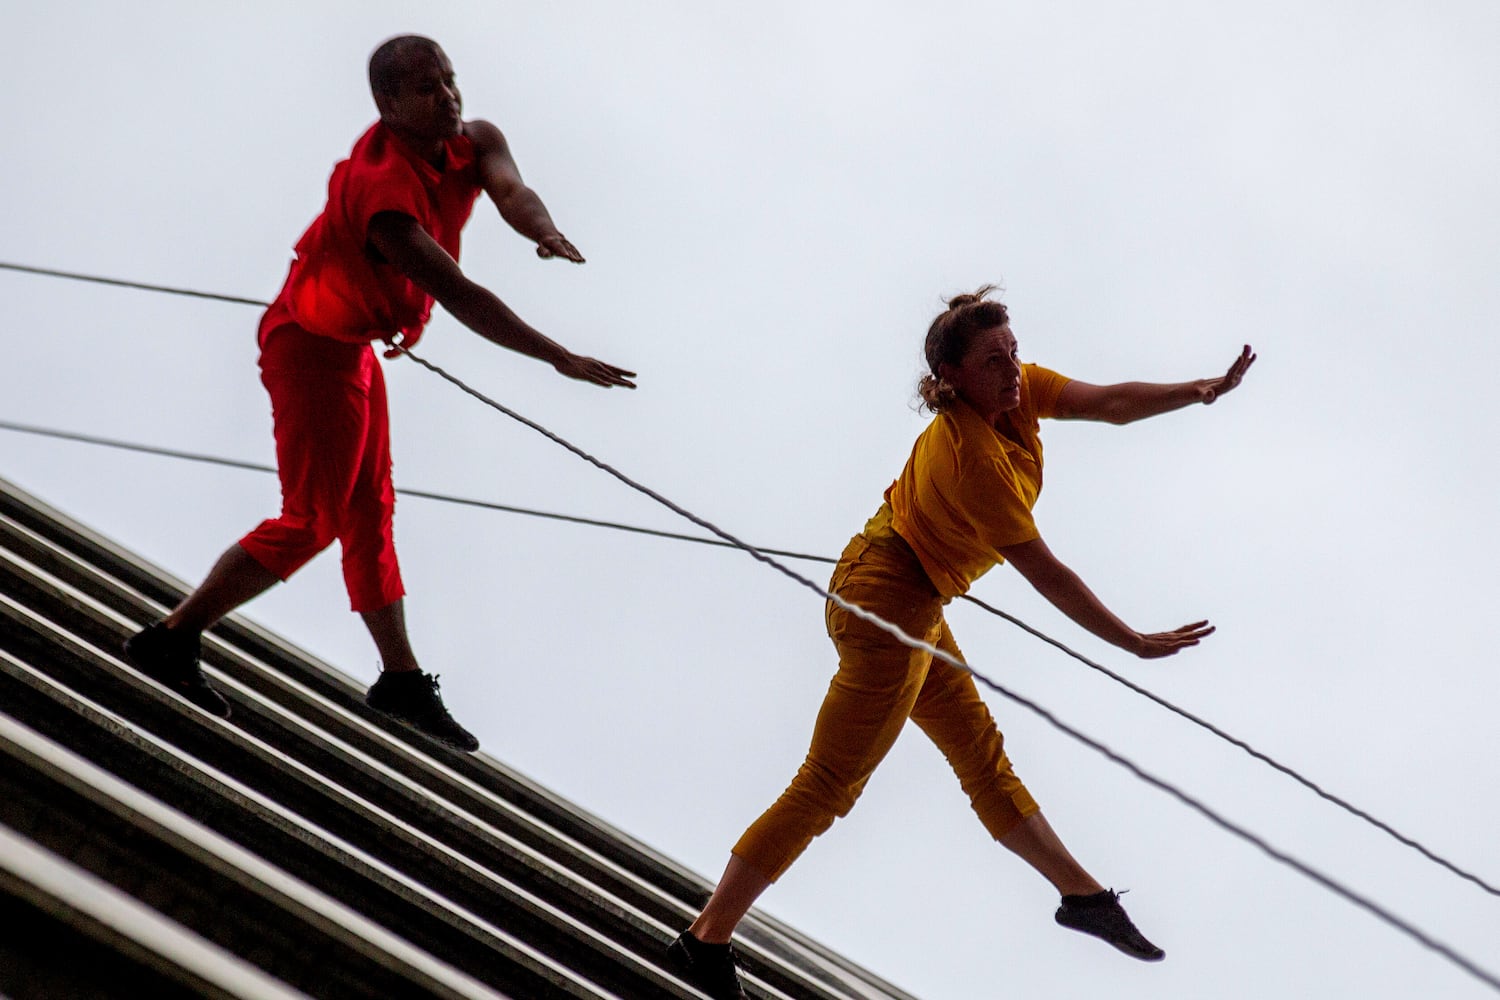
765,556
901,636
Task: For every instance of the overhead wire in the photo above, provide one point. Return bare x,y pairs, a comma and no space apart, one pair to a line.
1301,867
1230,738
1144,692
764,556
121,283
235,463
1290,772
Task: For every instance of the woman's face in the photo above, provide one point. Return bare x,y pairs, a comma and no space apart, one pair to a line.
989,376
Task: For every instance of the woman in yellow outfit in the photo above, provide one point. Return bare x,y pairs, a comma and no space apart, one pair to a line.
961,505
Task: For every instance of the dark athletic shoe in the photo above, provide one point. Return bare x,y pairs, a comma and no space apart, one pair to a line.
710,967
171,659
1102,916
411,696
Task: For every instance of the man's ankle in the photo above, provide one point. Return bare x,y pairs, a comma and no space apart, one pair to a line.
409,667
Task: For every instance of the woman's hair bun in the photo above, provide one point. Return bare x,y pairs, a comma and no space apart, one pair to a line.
971,298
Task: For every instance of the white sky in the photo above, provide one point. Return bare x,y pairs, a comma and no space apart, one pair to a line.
773,198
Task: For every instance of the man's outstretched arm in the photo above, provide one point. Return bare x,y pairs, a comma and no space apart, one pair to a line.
410,249
518,204
1126,402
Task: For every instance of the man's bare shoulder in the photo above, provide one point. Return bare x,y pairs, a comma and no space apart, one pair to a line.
485,136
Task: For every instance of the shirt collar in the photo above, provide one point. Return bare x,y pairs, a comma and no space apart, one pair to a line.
458,155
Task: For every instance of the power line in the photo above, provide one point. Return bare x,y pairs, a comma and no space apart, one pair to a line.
234,463
617,526
764,556
1307,783
1222,734
142,286
897,633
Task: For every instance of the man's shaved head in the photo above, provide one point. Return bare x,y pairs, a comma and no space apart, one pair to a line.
389,60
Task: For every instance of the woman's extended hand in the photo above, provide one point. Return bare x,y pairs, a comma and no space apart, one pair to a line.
1154,645
1211,389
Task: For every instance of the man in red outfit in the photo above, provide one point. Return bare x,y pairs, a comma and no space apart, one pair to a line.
369,268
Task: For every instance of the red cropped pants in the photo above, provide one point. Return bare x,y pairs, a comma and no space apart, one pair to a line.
333,455
879,685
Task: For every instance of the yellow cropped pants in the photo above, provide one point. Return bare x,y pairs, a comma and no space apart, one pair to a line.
879,685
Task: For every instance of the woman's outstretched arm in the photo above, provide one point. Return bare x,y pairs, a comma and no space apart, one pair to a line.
1070,595
1126,402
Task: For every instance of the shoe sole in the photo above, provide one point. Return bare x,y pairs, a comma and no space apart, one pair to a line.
408,724
1156,956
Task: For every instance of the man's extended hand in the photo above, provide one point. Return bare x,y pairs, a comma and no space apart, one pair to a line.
592,370
557,245
1211,389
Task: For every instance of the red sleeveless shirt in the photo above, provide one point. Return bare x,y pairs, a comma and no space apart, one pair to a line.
338,287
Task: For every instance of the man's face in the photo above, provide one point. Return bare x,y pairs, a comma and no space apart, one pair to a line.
426,103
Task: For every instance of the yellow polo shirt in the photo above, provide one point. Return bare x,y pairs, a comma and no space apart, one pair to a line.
967,490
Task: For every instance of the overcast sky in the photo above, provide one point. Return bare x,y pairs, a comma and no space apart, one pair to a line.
773,198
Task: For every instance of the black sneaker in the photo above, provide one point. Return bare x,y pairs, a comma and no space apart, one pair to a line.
411,696
710,967
171,659
1102,916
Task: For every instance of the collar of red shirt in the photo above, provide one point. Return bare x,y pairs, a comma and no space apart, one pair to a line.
458,156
